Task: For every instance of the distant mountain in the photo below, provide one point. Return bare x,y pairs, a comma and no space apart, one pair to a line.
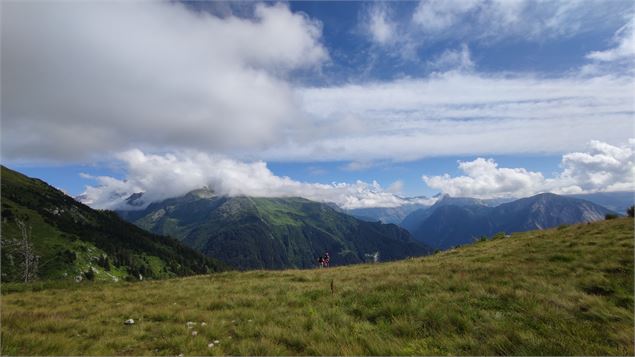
616,201
457,222
74,241
412,221
272,233
385,214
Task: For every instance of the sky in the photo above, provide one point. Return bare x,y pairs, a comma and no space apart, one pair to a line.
358,103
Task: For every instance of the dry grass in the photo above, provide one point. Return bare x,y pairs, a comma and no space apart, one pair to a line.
566,291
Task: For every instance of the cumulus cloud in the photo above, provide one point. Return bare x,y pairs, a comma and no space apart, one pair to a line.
91,77
172,175
484,179
603,168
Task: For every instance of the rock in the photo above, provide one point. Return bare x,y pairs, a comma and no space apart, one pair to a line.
129,322
180,355
216,341
194,333
203,324
210,345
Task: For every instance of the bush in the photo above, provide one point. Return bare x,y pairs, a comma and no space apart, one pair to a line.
89,274
630,211
610,216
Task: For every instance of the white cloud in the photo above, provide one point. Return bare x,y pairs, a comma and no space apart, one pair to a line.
92,78
82,78
458,113
460,60
439,15
624,40
604,168
164,176
484,179
379,26
494,20
396,187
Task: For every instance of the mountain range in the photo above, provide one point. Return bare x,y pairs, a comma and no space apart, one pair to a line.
69,240
393,215
455,221
212,232
272,233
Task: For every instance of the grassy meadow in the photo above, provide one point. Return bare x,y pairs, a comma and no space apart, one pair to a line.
564,291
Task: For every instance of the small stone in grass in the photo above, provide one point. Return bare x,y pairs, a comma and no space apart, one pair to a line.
129,322
194,333
203,324
216,341
210,345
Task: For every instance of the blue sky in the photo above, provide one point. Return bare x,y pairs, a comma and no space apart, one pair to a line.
327,93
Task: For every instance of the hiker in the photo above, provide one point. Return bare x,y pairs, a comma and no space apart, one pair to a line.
327,259
321,262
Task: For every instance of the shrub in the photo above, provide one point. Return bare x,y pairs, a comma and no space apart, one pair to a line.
89,274
630,211
610,216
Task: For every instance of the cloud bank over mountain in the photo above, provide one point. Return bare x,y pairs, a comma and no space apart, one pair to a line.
604,168
171,175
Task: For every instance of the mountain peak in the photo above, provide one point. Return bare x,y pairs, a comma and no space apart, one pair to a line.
203,192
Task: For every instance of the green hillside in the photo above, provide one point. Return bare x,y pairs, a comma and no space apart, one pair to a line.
74,241
564,291
272,233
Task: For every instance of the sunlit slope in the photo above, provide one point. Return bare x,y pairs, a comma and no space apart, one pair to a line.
566,291
272,233
71,239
